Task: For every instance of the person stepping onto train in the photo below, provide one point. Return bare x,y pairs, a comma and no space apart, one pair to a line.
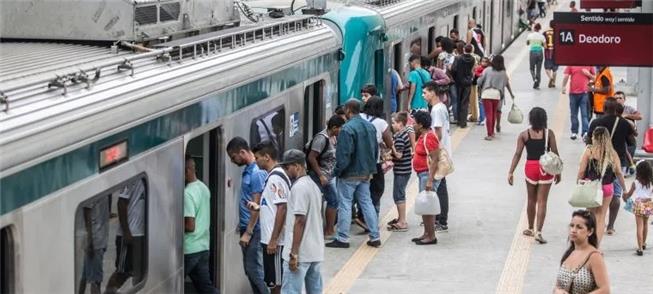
356,155
272,213
197,219
304,238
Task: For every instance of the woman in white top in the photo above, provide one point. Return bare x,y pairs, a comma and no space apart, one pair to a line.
642,190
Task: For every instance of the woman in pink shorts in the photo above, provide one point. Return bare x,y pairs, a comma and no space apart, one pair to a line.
538,183
596,157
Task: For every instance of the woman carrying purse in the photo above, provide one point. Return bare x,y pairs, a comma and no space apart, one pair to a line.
600,161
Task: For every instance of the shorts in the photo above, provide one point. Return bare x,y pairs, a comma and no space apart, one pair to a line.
608,190
93,272
272,267
399,188
535,175
617,189
550,65
129,257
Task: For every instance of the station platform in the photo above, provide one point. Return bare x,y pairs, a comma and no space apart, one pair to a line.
484,250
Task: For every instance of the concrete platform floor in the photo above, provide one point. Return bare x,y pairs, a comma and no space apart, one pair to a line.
484,251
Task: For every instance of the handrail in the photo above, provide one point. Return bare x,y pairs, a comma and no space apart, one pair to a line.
77,75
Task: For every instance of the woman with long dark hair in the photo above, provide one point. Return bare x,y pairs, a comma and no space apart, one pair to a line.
601,161
582,268
538,182
492,82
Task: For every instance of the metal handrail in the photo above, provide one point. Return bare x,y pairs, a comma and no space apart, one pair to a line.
126,63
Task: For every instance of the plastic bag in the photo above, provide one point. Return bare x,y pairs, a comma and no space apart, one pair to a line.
515,116
427,203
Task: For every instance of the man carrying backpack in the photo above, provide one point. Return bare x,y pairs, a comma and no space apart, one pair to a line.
461,70
321,158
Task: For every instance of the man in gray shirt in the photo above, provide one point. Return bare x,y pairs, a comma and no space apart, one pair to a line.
304,250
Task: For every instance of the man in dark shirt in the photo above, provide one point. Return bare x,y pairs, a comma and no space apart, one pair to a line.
623,132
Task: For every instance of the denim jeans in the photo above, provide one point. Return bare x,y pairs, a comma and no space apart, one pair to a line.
196,266
399,188
453,101
423,177
329,191
481,109
443,196
577,102
253,263
308,273
535,62
348,191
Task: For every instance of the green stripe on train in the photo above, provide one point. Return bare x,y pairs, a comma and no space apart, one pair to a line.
35,182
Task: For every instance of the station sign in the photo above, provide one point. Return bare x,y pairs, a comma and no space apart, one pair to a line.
609,4
612,39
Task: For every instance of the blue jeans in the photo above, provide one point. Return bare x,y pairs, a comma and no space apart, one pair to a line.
348,190
578,102
393,104
308,273
423,177
399,188
453,100
253,263
196,266
329,191
481,109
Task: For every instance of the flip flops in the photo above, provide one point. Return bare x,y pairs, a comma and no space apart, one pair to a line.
528,232
396,228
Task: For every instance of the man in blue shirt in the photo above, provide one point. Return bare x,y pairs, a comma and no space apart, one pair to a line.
416,79
356,155
251,187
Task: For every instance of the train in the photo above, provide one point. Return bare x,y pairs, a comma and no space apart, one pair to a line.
82,122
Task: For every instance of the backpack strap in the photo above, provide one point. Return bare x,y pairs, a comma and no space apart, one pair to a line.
614,127
280,174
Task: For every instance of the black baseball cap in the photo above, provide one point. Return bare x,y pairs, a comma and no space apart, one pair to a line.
293,156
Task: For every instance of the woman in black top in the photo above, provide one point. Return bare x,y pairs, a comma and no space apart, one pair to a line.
538,183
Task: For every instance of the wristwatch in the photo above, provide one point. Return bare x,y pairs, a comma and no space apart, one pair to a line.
292,255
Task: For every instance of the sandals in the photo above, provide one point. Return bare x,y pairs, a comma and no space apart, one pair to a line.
392,222
396,228
528,232
539,239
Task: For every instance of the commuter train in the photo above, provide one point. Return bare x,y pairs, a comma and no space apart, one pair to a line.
83,123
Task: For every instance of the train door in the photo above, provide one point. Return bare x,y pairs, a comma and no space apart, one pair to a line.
7,263
491,28
313,115
205,150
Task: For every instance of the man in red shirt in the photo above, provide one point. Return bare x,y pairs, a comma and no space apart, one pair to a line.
578,96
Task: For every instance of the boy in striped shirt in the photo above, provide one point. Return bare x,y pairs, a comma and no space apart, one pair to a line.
402,169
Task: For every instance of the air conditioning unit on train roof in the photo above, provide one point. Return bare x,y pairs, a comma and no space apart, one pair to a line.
110,20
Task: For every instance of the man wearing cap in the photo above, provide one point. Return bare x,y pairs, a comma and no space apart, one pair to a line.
304,250
356,155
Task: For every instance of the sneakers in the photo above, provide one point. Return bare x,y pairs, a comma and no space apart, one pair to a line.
375,243
441,228
337,244
574,136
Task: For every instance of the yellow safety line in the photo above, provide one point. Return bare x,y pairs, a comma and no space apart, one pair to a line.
354,267
514,270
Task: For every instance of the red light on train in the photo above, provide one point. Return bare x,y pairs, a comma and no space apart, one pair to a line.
114,154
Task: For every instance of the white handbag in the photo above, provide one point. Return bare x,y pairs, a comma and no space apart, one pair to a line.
515,116
427,203
549,161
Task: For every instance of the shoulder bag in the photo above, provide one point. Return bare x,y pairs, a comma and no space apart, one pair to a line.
549,161
445,164
588,194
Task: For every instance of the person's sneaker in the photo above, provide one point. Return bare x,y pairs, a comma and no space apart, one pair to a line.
574,136
337,244
375,243
441,228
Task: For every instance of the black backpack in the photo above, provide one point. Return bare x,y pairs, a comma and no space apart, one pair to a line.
307,147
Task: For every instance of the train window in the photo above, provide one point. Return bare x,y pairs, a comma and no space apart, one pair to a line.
474,13
313,100
431,44
508,8
416,47
7,266
455,21
270,126
98,238
398,63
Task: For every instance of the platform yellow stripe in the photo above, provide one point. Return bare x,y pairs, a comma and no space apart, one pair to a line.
354,267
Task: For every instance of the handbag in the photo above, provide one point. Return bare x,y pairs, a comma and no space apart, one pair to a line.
515,116
427,203
445,164
549,161
588,194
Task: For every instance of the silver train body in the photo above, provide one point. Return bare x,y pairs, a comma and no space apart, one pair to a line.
82,122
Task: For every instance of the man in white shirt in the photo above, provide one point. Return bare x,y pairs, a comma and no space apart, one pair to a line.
440,123
272,213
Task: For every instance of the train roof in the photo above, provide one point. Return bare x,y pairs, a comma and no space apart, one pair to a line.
49,90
